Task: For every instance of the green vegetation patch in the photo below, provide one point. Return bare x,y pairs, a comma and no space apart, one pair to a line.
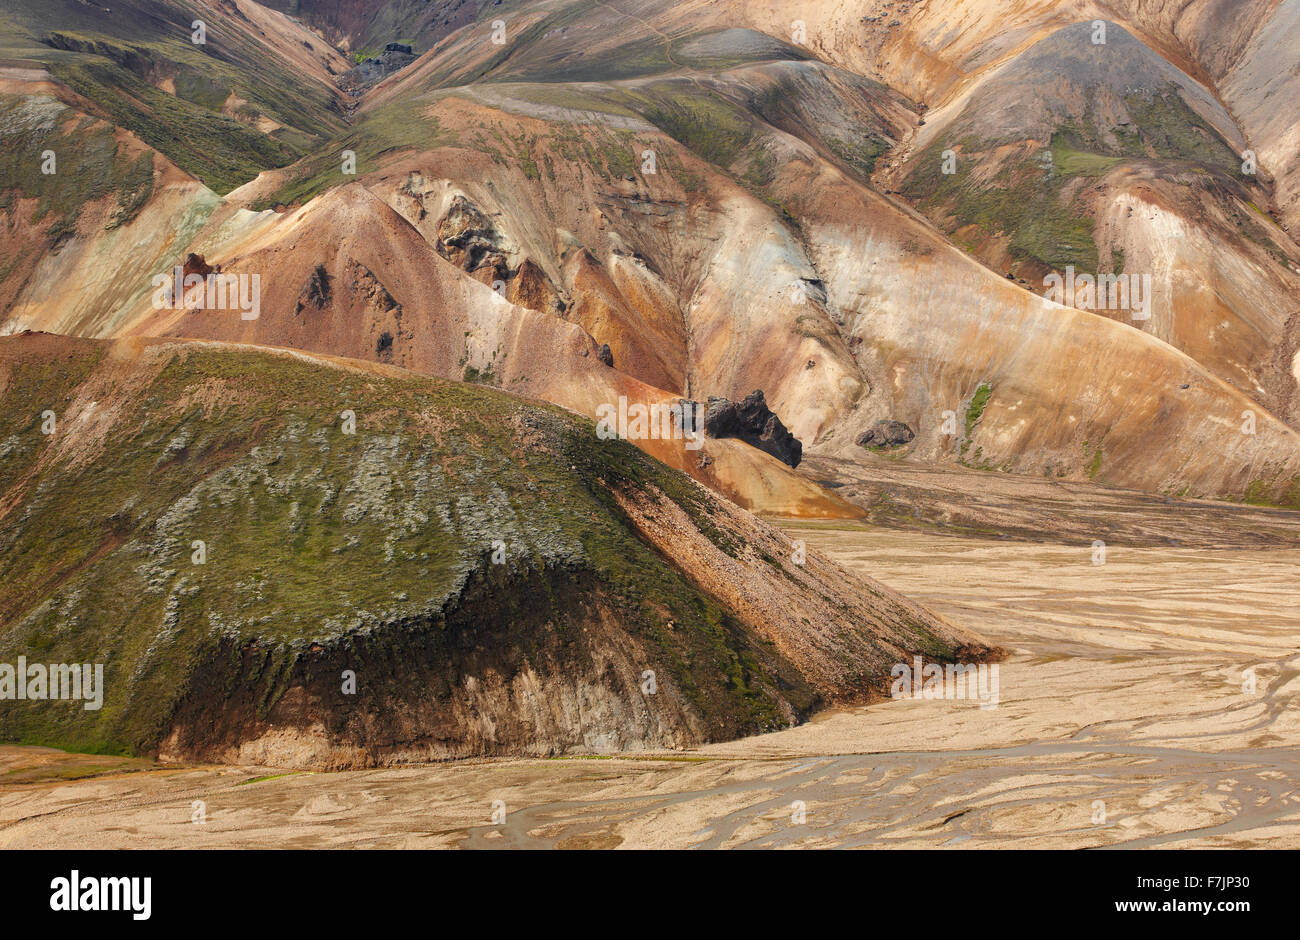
382,132
1023,202
87,161
123,75
1071,162
1273,492
712,127
216,149
974,412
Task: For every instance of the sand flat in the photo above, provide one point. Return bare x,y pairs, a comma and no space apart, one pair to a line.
1122,720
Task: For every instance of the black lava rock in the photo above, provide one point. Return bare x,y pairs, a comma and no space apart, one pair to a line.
886,433
316,292
754,423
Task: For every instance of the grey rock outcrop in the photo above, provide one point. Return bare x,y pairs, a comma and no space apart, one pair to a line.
315,293
886,433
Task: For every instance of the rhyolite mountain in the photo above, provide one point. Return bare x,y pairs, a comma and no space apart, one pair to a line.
726,202
577,203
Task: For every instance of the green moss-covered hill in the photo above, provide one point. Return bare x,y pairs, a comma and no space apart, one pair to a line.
373,552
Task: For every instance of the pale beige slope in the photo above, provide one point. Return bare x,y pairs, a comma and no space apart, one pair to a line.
1222,298
1205,38
82,289
1263,90
935,325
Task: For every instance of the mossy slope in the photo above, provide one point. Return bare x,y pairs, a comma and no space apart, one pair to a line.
371,552
123,58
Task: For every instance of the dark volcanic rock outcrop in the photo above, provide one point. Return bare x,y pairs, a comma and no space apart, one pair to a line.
754,423
886,433
394,58
195,264
468,239
315,292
